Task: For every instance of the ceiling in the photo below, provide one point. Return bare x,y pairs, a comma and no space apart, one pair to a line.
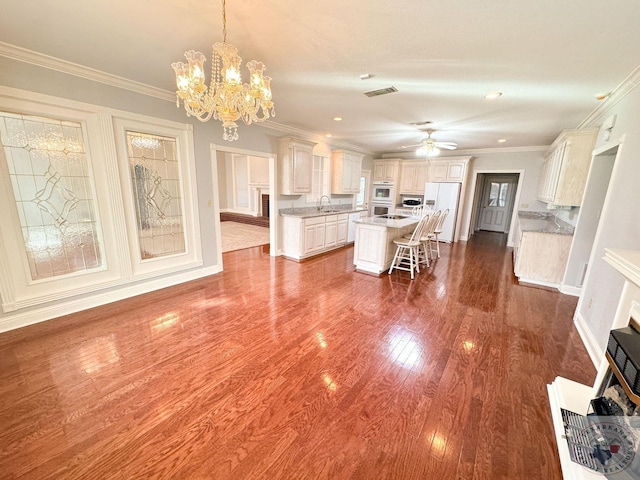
549,59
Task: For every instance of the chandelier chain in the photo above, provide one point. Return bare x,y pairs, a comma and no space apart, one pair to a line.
224,21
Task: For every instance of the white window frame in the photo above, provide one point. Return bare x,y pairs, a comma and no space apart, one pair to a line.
192,255
121,262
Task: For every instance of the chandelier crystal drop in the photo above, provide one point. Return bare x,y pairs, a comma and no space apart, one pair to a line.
226,98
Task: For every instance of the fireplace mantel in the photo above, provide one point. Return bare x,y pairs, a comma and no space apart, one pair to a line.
575,397
627,262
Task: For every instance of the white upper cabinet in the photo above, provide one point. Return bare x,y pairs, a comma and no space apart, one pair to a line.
447,170
385,170
413,177
566,167
296,165
346,169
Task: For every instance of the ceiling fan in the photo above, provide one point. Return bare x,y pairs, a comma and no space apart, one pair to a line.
430,147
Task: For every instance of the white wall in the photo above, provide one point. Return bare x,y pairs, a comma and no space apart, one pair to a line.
620,221
527,163
587,224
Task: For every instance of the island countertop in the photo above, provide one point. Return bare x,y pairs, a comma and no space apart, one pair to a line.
543,222
388,222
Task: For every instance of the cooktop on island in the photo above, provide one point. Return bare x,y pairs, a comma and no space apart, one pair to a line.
393,217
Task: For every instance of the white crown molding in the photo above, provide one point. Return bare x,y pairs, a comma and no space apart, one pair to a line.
621,91
471,151
314,137
63,66
52,63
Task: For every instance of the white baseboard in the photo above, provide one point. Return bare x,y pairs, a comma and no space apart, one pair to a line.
41,314
569,290
539,282
588,339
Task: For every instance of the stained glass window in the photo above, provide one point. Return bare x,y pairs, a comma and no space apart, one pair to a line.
52,189
155,177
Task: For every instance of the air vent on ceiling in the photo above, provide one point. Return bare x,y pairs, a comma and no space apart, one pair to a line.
382,91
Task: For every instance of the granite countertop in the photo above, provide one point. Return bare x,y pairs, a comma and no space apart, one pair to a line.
307,212
388,222
543,222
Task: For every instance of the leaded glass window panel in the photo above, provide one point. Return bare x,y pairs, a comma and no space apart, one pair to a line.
155,178
52,188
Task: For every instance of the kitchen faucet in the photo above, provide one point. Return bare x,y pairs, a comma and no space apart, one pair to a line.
320,201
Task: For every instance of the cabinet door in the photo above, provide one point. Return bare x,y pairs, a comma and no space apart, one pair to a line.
455,172
390,172
309,238
302,169
408,178
320,237
343,228
422,172
331,234
438,171
378,172
356,171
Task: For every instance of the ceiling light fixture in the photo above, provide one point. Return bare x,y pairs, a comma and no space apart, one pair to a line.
502,140
226,98
337,119
328,135
428,151
493,95
366,76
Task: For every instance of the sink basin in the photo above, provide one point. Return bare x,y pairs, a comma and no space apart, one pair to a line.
393,217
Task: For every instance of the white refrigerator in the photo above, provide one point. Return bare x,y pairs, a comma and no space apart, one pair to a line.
440,196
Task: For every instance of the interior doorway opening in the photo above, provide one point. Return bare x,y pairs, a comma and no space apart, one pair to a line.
494,201
243,210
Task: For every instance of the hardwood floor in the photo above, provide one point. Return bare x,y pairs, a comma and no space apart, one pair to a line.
282,370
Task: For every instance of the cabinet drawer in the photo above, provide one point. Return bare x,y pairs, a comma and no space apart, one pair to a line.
314,220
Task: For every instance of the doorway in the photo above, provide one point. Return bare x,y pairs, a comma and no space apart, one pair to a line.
244,186
495,202
588,223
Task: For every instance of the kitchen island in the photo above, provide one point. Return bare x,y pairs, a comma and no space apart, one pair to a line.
374,248
541,248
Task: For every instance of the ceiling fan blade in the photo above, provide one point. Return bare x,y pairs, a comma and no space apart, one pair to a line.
411,146
447,146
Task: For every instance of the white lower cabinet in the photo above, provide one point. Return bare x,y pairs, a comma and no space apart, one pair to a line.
331,238
314,235
343,229
305,237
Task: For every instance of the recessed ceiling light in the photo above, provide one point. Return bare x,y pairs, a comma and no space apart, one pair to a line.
366,76
502,140
602,96
493,95
337,119
328,135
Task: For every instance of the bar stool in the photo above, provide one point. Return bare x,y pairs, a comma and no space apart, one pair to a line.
438,231
425,253
407,249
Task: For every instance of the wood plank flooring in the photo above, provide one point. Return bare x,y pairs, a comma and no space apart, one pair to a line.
282,370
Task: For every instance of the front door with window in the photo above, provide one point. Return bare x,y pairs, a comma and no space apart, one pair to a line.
497,203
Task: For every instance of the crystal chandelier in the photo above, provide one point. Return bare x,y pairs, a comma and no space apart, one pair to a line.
226,98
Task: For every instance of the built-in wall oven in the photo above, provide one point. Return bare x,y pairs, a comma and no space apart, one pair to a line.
384,192
383,198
